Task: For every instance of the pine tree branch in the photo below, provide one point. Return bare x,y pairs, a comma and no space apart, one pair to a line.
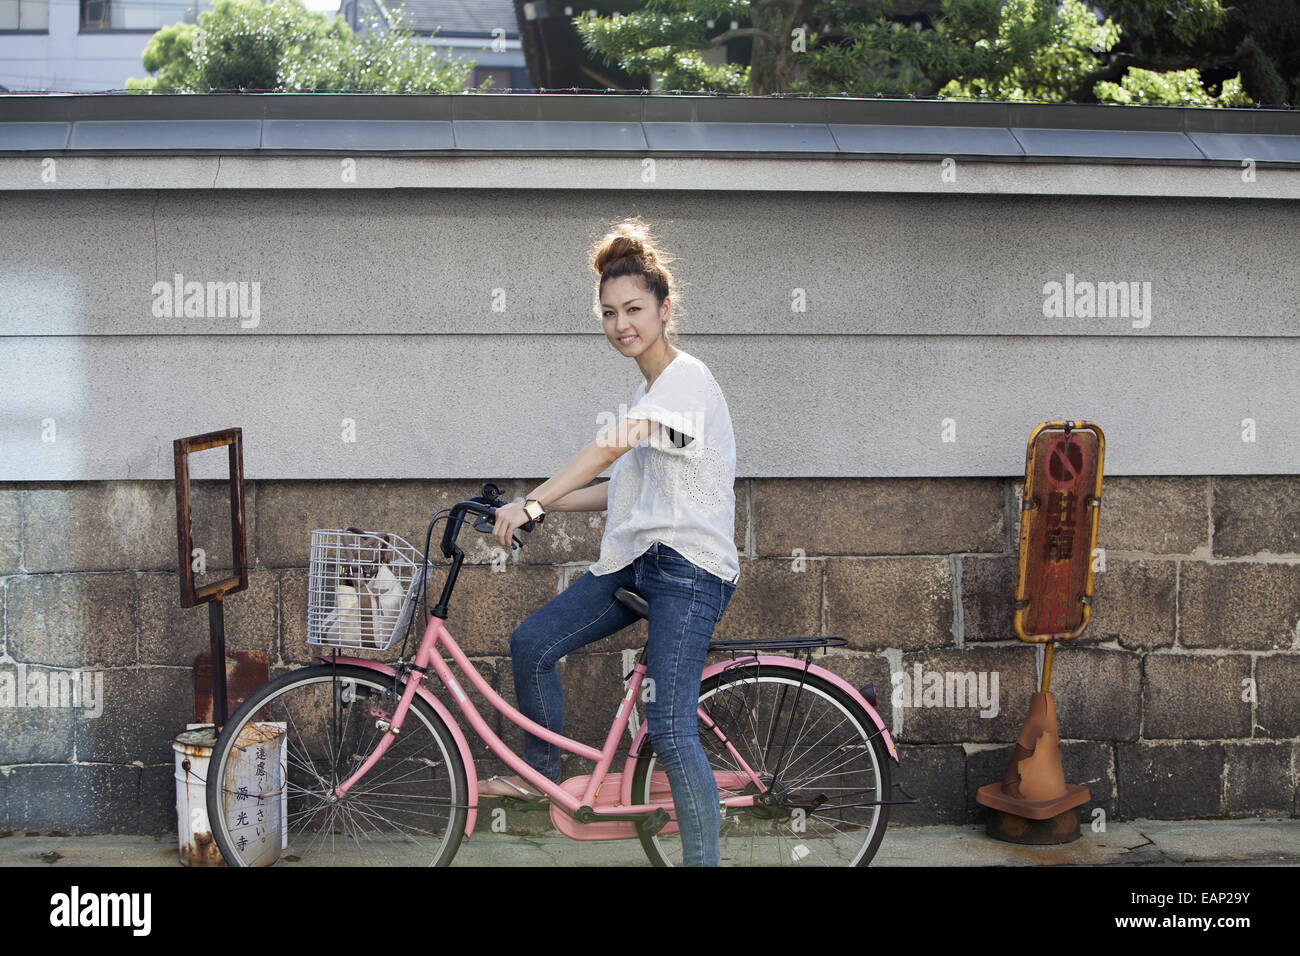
722,38
916,8
1112,71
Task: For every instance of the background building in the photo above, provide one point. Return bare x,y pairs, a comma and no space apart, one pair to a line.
95,45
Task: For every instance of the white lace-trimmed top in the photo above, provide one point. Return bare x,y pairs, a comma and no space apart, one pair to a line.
678,485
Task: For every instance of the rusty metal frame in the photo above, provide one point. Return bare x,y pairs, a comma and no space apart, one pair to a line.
182,447
1026,504
214,594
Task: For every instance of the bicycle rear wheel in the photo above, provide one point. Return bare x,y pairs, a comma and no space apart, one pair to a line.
811,744
293,740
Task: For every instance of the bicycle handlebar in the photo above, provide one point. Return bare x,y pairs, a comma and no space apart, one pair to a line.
486,505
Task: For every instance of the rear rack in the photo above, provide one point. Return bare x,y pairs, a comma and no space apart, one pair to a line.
777,644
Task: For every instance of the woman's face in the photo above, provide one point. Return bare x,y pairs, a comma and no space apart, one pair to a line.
634,321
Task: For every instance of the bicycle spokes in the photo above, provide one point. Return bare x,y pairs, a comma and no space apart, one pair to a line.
406,809
819,771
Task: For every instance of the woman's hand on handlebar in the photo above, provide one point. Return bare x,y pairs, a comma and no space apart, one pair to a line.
508,518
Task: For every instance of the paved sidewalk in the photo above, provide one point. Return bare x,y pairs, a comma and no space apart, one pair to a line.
1131,843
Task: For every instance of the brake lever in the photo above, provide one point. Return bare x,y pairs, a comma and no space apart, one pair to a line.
486,525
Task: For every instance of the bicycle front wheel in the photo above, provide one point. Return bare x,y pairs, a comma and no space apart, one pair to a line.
292,741
816,751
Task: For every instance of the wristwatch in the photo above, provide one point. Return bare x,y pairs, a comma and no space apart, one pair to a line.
533,508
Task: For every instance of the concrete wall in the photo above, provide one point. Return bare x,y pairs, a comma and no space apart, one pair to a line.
865,323
437,319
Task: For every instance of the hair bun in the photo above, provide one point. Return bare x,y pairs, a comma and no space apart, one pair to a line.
624,244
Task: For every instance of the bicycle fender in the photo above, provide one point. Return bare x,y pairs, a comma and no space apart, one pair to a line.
466,755
853,692
767,660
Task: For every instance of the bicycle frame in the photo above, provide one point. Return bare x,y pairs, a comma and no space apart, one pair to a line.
427,656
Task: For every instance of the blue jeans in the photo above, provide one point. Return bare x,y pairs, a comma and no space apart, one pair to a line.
685,603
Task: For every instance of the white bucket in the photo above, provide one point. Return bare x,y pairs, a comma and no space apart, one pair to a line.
254,810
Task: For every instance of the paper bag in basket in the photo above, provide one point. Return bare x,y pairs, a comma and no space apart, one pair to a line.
368,597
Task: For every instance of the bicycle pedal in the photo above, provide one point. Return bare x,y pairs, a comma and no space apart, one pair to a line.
654,823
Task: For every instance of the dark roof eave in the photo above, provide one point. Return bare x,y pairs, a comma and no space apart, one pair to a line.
664,154
667,125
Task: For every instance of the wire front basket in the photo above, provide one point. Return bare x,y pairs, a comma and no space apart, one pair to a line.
362,589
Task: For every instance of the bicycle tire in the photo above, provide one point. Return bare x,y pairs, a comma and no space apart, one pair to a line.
325,716
786,833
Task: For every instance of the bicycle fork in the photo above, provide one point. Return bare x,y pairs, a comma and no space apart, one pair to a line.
391,725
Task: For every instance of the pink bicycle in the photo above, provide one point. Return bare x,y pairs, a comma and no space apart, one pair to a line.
355,762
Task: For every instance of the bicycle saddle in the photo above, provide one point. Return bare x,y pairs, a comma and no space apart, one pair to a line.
633,601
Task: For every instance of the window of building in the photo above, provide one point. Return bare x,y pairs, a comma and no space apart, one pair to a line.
503,78
148,15
31,15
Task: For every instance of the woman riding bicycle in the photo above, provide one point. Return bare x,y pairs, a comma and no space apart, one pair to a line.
669,534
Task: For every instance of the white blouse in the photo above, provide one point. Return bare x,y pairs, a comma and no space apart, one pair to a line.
677,485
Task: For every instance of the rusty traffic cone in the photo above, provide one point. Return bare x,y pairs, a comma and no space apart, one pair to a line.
1033,803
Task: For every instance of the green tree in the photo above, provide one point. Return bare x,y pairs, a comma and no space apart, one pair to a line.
281,46
672,39
1144,87
1045,50
1259,40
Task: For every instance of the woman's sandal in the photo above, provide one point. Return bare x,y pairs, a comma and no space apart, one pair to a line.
507,788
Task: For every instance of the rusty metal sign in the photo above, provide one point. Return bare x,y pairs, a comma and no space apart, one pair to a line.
246,671
1059,514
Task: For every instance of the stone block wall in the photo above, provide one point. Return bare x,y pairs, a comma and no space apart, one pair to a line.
1181,700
